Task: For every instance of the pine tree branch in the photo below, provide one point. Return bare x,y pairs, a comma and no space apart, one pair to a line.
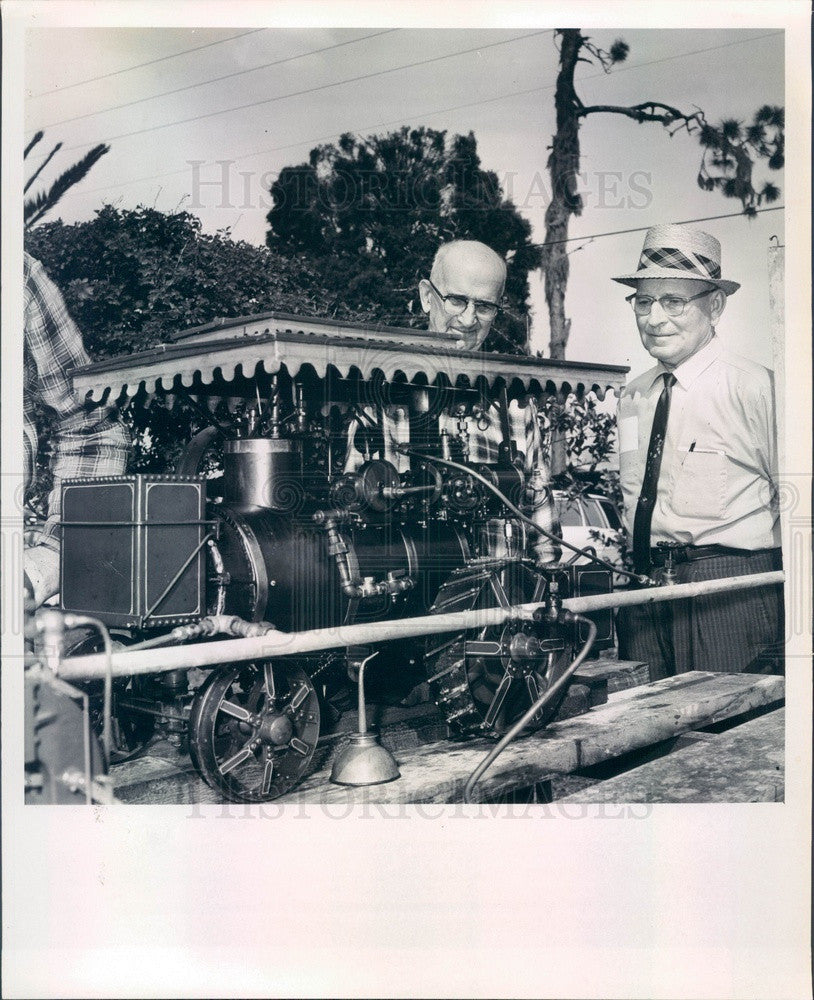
649,111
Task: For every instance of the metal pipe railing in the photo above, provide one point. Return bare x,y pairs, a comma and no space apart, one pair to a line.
275,643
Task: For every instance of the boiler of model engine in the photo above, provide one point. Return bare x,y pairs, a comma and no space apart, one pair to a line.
305,553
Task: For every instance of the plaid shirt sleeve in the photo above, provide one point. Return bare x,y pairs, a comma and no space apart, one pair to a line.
484,446
538,490
395,426
89,441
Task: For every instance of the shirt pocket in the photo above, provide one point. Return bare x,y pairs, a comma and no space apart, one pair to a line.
700,484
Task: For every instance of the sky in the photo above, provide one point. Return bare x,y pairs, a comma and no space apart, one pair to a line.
203,119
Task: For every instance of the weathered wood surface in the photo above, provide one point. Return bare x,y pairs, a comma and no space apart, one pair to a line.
619,674
745,764
632,719
161,781
165,776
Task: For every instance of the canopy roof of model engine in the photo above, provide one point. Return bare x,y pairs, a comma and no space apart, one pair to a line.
206,360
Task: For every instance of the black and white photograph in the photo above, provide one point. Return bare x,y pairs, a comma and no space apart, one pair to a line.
406,446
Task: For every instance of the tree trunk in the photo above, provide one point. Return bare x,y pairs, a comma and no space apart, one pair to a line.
563,168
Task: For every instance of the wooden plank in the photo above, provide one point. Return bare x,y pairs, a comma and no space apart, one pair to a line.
632,719
416,724
744,764
619,674
691,739
164,775
171,785
160,762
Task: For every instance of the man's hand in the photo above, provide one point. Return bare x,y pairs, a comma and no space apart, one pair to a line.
41,566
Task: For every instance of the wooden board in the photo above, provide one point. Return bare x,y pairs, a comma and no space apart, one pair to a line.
632,719
744,764
619,674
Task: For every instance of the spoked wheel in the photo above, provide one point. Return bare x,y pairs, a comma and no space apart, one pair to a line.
253,729
486,679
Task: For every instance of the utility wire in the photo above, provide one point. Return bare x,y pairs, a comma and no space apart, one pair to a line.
641,229
422,114
218,79
203,83
151,62
318,138
681,55
311,90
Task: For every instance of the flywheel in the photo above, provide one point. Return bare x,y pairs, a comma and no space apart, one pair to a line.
483,680
253,729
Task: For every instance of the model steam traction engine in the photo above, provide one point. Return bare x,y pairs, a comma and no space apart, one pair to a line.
315,523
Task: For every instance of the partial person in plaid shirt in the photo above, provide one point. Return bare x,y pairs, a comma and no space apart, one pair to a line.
87,441
462,296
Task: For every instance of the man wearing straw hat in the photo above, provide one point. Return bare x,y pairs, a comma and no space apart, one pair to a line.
697,467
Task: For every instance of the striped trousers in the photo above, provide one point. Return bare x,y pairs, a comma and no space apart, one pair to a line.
733,632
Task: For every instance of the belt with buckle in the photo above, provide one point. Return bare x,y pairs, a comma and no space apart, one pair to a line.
690,553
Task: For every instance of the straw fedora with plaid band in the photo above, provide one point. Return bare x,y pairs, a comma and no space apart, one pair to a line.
676,252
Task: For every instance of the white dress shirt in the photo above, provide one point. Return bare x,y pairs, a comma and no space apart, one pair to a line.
718,471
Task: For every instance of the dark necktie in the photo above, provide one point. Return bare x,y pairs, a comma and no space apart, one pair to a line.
650,482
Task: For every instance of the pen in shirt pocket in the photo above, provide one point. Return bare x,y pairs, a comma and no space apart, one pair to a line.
691,448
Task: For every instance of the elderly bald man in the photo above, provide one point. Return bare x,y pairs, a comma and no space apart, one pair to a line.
463,293
462,296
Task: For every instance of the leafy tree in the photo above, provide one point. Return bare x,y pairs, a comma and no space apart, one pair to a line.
132,277
584,435
370,214
35,209
729,153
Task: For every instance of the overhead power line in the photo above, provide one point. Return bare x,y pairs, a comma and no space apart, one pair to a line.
327,48
641,229
420,114
682,55
311,90
318,138
218,79
150,62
